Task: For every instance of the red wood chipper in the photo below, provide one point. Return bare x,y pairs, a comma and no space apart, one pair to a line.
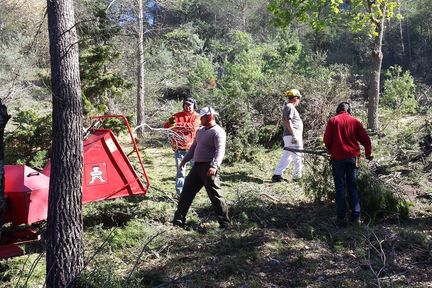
107,174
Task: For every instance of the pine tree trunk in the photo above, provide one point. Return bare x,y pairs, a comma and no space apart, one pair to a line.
409,44
65,247
374,88
140,72
4,118
401,33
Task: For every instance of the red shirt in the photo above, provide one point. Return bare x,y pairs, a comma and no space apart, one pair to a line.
184,126
342,136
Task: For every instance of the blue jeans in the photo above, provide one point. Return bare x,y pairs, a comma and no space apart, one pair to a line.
345,172
180,175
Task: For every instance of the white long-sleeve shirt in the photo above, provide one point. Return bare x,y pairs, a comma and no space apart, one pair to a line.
208,146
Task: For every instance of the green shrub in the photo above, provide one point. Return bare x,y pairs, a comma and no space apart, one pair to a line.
30,142
239,148
270,135
117,125
104,273
318,180
377,200
399,91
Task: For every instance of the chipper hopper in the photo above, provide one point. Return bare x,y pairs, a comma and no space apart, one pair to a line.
107,174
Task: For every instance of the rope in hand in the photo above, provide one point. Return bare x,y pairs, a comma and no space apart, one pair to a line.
167,131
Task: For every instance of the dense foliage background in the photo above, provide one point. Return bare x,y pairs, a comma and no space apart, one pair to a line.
225,53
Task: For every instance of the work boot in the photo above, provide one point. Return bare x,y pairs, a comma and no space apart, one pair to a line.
178,222
277,178
356,221
341,223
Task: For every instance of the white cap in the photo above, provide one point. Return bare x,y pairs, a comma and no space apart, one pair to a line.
207,111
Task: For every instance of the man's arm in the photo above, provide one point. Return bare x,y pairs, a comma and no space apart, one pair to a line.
289,126
220,144
189,155
364,140
287,116
328,135
170,122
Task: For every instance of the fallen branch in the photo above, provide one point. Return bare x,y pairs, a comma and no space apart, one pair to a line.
322,153
140,255
271,197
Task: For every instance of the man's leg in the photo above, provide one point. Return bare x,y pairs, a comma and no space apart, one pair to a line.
191,187
354,199
214,192
284,161
339,181
180,174
297,159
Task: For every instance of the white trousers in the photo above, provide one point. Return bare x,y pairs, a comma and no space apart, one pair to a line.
289,156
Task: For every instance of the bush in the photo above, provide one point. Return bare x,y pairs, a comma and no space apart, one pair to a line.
399,91
30,142
377,200
318,179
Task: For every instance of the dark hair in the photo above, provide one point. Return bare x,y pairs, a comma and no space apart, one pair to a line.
343,106
192,100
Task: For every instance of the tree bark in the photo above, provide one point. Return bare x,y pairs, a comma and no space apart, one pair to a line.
64,239
401,33
376,63
4,118
140,70
409,44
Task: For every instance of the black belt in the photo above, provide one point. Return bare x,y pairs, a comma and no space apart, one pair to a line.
202,163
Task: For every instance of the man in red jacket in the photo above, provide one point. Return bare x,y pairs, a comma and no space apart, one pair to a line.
341,138
184,124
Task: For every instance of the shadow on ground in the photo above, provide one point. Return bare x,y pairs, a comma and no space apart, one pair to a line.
285,245
239,177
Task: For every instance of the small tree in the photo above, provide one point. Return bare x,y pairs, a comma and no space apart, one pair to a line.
399,91
100,81
140,68
360,15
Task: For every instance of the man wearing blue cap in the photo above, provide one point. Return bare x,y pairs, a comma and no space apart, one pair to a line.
207,152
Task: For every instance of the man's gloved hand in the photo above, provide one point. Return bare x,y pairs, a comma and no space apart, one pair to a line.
294,140
369,157
171,121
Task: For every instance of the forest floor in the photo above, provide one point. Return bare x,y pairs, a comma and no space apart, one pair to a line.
281,238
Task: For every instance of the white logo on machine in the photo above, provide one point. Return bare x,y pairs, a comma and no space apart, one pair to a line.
111,145
96,174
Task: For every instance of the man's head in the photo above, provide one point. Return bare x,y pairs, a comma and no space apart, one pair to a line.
343,107
294,96
189,105
208,116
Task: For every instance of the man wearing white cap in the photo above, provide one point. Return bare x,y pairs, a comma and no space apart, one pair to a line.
207,152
